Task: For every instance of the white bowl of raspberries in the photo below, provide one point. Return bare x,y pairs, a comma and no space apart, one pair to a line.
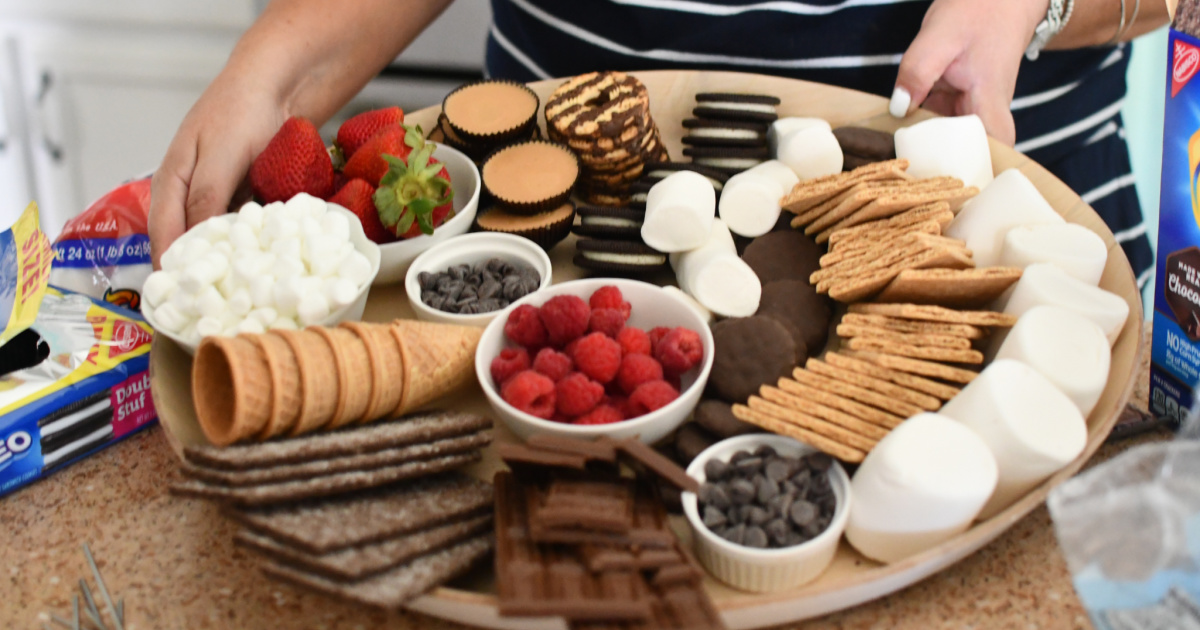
619,358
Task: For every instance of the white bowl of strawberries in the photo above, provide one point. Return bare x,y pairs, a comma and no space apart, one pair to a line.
602,356
407,193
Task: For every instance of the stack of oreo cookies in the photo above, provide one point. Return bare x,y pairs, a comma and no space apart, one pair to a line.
729,131
605,118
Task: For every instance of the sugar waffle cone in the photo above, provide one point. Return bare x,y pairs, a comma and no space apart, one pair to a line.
438,358
387,382
285,384
353,374
318,379
234,383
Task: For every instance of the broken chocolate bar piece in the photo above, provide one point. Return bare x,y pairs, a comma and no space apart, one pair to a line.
648,527
658,464
596,504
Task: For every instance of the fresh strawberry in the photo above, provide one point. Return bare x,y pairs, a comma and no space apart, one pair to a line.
294,161
356,131
411,191
368,162
357,197
439,213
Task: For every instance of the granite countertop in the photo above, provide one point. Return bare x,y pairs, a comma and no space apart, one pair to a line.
174,562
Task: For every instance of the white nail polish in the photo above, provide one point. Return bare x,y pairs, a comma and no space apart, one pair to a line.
901,99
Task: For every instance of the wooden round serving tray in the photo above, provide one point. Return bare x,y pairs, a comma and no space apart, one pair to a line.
851,579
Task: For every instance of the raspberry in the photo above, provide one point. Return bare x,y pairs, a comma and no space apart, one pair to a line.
525,327
679,350
602,414
609,296
656,334
510,361
566,318
598,356
569,349
553,364
634,341
530,392
651,396
609,321
637,369
577,394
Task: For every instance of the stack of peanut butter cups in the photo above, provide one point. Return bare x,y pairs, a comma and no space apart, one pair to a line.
254,387
479,117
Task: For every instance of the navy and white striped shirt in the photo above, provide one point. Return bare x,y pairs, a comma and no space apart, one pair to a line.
1067,103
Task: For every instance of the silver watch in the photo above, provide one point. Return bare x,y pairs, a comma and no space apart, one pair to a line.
1056,20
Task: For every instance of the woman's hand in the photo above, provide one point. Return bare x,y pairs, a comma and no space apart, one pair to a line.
207,161
965,58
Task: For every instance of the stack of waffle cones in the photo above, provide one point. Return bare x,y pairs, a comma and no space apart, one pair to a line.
287,383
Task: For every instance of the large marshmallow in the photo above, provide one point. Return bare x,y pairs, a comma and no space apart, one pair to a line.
749,205
955,146
784,126
1069,246
811,152
679,212
1008,202
715,276
1047,284
704,313
1031,427
921,485
1069,350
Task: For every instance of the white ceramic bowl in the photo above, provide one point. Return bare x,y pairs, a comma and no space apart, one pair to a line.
464,180
471,249
651,307
765,570
351,312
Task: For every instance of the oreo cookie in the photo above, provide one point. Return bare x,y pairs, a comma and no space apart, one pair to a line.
620,257
609,223
728,160
76,428
712,132
657,171
727,106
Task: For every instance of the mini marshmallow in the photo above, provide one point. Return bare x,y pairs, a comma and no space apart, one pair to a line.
284,323
251,326
715,276
228,285
1069,246
172,259
210,302
287,292
679,212
159,287
341,292
219,263
240,302
183,302
784,126
955,146
811,152
336,225
250,215
194,249
243,238
207,326
327,264
288,266
262,291
921,485
189,334
1008,202
290,247
1069,350
216,229
1031,428
704,313
198,275
319,247
1047,284
357,269
266,316
169,318
313,308
749,204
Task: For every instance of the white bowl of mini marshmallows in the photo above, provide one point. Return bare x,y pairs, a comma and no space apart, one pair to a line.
288,265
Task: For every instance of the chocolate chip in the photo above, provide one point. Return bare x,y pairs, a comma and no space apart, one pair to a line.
765,490
780,503
716,470
714,517
802,478
735,534
803,513
428,282
778,530
813,529
777,469
739,456
755,537
489,289
757,516
714,495
749,465
819,462
741,491
764,451
735,515
796,538
487,281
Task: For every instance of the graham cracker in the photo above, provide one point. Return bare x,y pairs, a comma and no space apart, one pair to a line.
394,587
929,353
915,366
818,441
924,401
882,201
817,410
867,240
936,314
875,258
855,289
853,392
955,288
868,413
816,425
845,330
937,211
901,325
938,390
846,203
809,193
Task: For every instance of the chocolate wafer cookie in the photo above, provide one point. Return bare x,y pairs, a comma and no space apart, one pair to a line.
804,312
784,255
868,145
747,353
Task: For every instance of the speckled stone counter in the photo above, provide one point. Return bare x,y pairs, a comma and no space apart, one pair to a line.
174,562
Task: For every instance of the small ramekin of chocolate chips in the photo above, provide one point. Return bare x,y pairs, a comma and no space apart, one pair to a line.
769,513
469,279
